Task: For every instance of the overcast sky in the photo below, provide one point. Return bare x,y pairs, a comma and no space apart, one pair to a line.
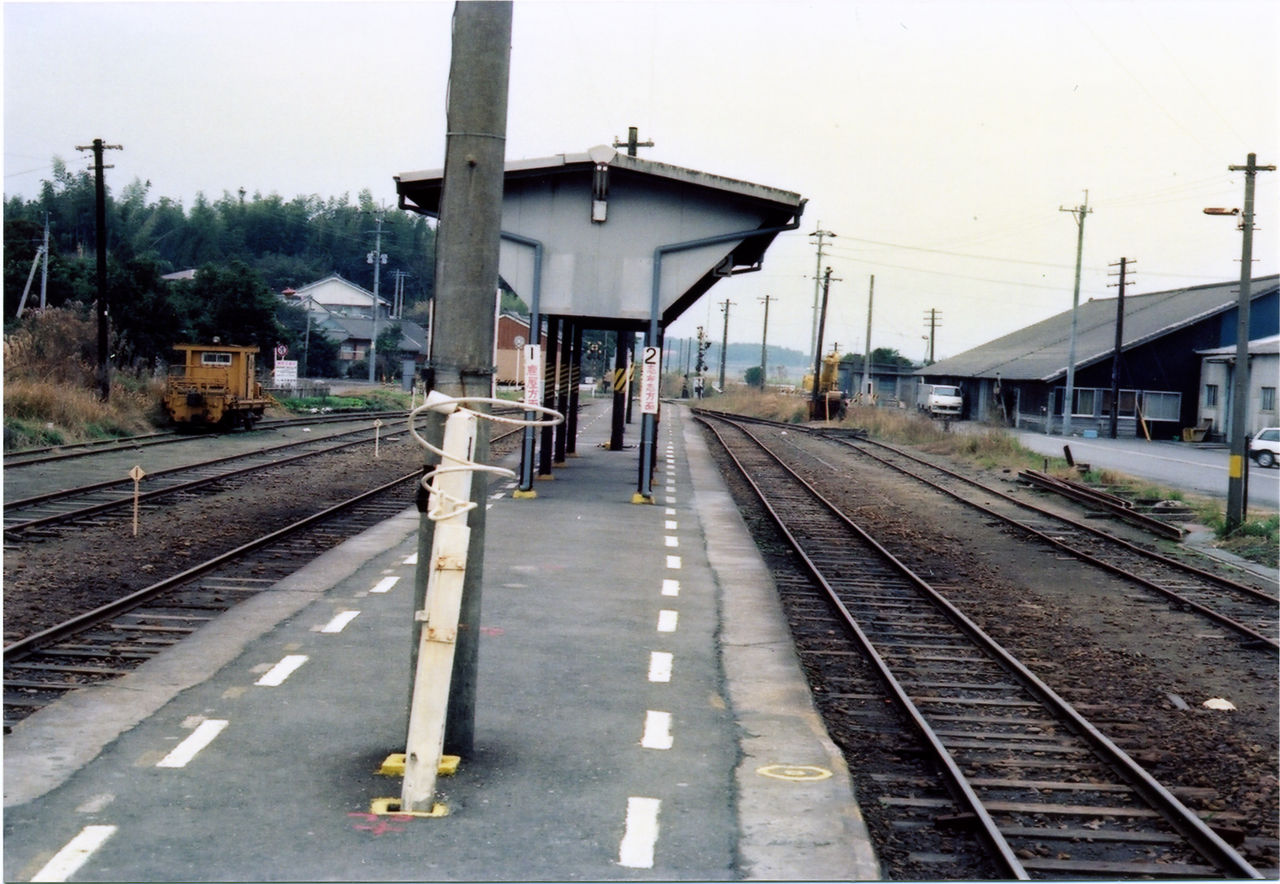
938,140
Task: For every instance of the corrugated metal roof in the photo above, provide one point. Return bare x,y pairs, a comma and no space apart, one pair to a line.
1259,347
1040,352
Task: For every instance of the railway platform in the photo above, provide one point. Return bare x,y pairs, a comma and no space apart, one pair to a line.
640,714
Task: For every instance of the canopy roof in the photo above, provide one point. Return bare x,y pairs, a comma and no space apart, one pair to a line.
601,216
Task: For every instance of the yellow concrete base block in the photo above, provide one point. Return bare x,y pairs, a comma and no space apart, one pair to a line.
640,498
391,806
524,495
393,765
547,478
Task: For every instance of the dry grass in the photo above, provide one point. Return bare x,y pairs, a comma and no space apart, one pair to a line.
50,389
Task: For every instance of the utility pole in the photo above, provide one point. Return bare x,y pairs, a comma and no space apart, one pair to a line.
822,324
1068,404
764,342
100,221
377,259
633,141
397,306
866,351
814,348
931,320
466,274
1236,503
41,257
724,343
1115,357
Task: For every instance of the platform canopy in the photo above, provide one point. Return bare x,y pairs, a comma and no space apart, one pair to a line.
602,217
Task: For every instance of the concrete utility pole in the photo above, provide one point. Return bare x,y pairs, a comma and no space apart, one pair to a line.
866,351
764,342
1068,404
1115,357
724,342
822,324
466,275
931,320
100,221
817,285
1236,503
377,259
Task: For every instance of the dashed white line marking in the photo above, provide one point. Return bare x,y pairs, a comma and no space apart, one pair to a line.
671,540
673,562
275,676
340,621
190,747
667,621
412,560
657,730
660,663
67,861
641,833
385,584
670,587
671,511
672,525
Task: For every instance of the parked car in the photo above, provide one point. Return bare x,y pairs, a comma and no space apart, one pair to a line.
1264,447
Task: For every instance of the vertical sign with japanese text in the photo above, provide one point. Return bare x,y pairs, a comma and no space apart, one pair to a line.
533,374
649,380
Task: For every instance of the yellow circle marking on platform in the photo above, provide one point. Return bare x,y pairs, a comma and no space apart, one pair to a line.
796,773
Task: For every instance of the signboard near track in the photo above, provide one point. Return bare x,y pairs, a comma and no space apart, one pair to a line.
649,380
533,374
286,372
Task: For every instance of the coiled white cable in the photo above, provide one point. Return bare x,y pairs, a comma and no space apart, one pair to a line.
443,404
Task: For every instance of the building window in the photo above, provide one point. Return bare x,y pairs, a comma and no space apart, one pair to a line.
1084,402
1159,406
1268,399
1210,395
215,358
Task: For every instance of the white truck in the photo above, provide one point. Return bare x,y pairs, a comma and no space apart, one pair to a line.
939,400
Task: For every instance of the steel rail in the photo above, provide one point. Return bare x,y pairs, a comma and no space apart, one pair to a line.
32,643
1208,843
17,528
1216,616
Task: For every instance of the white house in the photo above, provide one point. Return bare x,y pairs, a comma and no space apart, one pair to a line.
1217,371
339,297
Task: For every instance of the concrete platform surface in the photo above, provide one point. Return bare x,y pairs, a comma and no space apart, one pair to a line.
640,713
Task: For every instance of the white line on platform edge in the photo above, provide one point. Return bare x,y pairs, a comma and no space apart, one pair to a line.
275,676
188,749
641,834
67,861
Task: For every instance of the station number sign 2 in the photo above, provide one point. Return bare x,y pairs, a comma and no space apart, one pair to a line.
649,380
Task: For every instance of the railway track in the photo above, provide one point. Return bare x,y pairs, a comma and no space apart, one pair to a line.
117,637
1245,610
39,515
1022,773
53,453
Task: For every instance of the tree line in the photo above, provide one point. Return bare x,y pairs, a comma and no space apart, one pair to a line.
245,249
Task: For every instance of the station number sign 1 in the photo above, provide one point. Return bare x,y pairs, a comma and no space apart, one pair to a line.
649,380
533,374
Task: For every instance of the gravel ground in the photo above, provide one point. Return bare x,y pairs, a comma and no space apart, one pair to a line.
49,581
